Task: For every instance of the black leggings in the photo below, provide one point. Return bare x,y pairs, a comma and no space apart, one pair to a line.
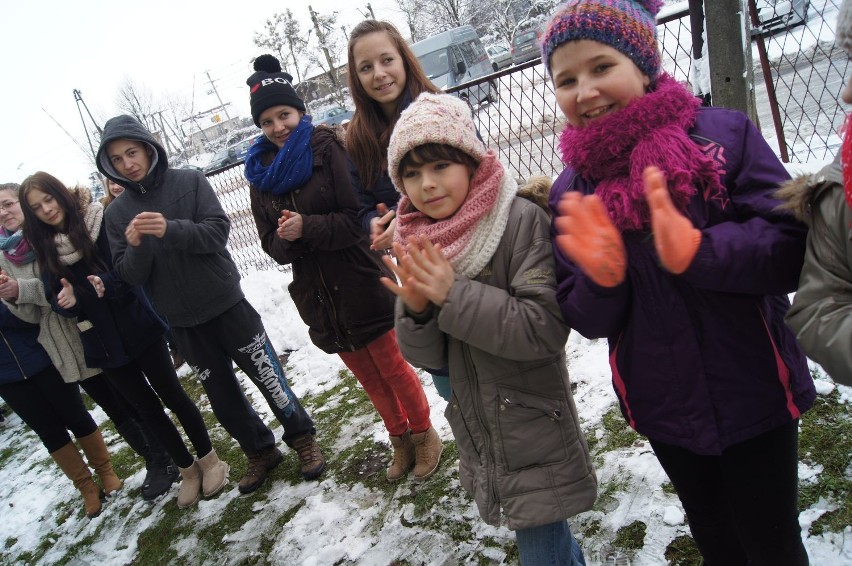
742,505
50,407
162,383
108,398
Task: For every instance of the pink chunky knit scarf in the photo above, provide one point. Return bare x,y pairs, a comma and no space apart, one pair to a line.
651,130
470,236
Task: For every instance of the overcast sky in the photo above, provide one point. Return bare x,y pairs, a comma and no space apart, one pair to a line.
51,48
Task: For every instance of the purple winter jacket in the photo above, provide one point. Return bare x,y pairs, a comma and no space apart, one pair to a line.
703,360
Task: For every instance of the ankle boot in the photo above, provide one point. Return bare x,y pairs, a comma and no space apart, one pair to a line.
160,471
69,460
214,473
403,456
190,486
427,451
98,456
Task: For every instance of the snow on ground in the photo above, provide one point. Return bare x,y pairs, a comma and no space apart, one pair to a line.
348,524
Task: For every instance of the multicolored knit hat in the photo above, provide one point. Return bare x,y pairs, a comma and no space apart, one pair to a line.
433,118
626,25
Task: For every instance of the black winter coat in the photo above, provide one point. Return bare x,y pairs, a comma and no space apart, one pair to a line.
114,329
335,284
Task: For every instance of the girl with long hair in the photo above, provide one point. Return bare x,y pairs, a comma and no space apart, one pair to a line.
120,331
384,78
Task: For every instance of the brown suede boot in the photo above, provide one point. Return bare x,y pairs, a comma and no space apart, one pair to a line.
71,462
311,460
214,473
190,486
258,468
98,456
403,456
427,450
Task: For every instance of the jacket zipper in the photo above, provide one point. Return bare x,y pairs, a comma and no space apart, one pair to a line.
337,329
483,427
14,356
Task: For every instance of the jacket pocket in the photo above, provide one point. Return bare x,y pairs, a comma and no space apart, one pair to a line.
534,429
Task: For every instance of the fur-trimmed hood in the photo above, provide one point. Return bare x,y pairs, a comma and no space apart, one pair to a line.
799,193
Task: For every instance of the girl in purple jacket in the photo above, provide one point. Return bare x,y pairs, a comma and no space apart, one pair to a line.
686,278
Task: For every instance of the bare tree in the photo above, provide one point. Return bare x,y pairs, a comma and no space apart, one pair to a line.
507,17
329,48
283,35
136,100
413,12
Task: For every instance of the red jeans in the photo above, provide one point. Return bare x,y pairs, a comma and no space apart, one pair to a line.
391,384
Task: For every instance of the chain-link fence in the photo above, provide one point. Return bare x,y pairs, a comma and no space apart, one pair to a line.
522,120
801,74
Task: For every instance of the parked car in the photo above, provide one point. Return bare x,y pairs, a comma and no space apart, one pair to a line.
232,154
455,57
332,116
778,15
500,56
525,47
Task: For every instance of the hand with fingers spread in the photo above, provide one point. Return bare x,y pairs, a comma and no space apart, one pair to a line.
414,301
432,274
290,226
589,238
98,284
8,286
675,238
382,228
66,297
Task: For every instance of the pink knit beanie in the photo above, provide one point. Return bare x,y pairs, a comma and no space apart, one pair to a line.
433,118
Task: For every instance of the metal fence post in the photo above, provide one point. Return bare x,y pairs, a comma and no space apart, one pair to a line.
729,49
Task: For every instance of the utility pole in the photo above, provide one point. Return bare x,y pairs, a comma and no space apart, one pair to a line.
332,72
78,98
370,8
213,84
729,46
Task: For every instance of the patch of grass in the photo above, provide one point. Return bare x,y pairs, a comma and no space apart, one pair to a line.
590,528
683,552
669,488
631,537
826,440
607,491
340,405
617,433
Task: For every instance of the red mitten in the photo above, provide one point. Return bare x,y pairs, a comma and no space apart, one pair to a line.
590,239
675,238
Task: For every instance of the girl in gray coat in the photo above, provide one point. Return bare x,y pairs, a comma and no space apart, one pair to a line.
821,315
476,293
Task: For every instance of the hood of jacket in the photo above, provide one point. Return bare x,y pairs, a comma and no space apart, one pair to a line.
798,194
128,127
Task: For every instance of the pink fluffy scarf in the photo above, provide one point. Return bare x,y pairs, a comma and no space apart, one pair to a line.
469,237
651,130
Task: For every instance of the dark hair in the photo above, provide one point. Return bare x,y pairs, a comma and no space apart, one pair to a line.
429,152
41,235
368,134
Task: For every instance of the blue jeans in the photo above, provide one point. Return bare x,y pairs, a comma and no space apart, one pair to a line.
549,545
442,384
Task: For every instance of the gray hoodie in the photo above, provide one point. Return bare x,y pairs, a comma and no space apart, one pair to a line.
189,272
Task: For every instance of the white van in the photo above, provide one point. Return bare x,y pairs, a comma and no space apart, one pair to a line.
454,57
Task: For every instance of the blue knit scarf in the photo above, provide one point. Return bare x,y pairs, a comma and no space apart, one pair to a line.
15,247
292,166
